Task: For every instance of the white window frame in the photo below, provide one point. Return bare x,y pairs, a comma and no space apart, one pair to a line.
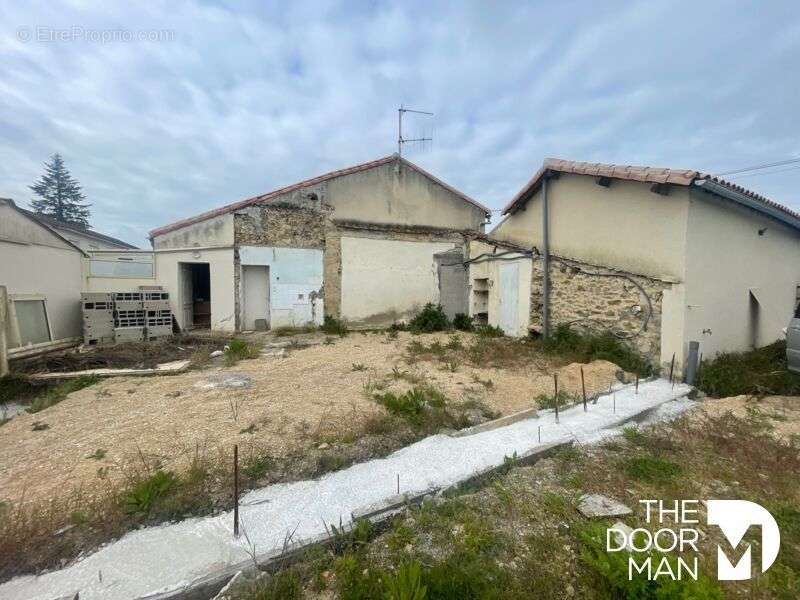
16,338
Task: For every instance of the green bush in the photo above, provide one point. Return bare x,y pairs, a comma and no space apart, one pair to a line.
489,331
462,322
406,583
429,319
586,347
757,372
333,326
550,401
411,405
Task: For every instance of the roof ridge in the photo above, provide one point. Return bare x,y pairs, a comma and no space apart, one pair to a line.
305,183
640,173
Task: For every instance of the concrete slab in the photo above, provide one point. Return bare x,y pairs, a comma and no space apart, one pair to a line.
597,505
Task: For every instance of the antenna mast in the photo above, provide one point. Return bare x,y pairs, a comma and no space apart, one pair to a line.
400,139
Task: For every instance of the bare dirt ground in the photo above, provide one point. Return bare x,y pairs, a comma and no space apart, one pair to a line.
273,404
780,413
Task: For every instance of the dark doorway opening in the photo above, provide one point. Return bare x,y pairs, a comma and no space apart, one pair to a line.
196,295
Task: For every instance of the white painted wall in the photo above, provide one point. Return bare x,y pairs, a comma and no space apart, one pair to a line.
387,280
726,258
295,283
220,261
502,298
35,261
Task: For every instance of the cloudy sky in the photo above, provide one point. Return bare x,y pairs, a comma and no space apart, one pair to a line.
168,110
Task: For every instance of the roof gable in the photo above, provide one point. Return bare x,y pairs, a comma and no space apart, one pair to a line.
308,183
27,215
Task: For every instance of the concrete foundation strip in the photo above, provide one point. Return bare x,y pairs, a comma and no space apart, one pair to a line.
169,368
212,584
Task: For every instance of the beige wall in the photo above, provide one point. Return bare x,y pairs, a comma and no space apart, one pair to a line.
220,261
625,226
216,231
489,270
34,261
382,195
726,258
387,280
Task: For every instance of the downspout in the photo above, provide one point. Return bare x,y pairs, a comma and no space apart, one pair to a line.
545,260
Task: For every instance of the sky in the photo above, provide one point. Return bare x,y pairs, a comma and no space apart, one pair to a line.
169,109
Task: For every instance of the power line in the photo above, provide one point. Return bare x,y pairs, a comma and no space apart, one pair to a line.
763,166
794,168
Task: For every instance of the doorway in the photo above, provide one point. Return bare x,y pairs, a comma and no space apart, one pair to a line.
255,297
508,298
196,295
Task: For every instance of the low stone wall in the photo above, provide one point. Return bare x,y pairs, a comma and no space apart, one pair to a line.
596,299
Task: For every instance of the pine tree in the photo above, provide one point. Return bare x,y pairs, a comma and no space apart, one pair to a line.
59,195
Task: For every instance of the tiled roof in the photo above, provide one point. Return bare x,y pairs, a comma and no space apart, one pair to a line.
636,173
56,224
307,183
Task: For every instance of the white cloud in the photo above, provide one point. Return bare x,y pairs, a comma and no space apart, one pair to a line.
240,101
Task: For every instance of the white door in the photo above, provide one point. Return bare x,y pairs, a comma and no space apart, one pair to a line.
187,295
255,293
508,296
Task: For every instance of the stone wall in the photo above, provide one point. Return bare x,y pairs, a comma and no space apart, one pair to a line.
596,299
282,225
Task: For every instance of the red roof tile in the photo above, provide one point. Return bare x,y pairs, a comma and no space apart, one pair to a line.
307,183
633,173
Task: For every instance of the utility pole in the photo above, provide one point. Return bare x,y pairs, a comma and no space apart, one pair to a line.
3,327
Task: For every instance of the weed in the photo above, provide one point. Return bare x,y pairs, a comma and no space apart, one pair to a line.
413,404
454,343
462,322
406,583
392,335
15,388
586,347
489,331
290,330
755,372
200,356
144,495
651,469
431,318
329,341
550,401
60,391
359,367
239,349
98,454
333,326
258,466
451,365
330,461
249,429
487,383
39,426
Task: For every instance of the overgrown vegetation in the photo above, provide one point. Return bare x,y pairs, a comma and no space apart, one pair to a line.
519,534
549,400
758,372
462,322
585,347
239,349
333,326
431,318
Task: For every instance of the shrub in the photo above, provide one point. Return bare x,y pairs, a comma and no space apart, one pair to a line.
333,326
431,318
758,372
462,322
238,349
406,583
413,403
587,347
550,401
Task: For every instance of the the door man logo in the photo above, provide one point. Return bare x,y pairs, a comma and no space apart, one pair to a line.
733,517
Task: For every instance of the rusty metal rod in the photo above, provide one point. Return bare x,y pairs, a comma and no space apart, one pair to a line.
583,388
555,397
236,490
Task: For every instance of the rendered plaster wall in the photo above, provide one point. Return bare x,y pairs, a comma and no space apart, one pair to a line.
387,280
295,283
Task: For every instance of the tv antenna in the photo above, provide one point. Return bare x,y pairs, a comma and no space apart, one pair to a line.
400,139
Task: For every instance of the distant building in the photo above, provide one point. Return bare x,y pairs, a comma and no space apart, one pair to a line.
83,237
42,272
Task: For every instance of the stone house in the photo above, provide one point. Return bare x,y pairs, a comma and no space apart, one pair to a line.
369,244
659,257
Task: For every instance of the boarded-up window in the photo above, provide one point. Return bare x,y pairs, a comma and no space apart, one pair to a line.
32,321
